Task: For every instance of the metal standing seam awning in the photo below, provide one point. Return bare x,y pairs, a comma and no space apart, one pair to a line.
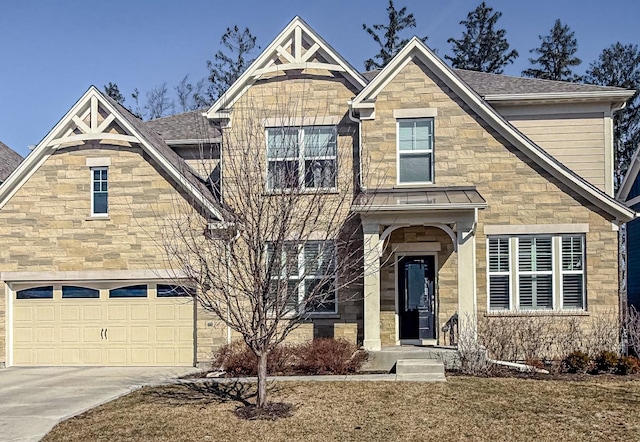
435,198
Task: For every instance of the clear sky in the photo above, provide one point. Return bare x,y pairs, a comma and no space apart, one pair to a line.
52,51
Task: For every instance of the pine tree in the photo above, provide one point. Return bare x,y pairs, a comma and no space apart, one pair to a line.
619,65
229,64
482,47
113,91
556,55
390,42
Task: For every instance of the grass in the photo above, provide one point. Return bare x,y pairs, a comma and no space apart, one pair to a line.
464,408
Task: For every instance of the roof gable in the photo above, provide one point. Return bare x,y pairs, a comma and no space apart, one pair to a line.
96,117
630,178
297,47
416,49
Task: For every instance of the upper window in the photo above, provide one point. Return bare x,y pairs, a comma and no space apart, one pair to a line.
415,151
35,293
301,157
536,273
132,291
99,191
309,274
70,291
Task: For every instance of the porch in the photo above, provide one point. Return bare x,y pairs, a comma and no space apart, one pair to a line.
420,267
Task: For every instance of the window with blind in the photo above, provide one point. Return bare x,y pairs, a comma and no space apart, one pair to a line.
303,275
536,273
302,157
415,151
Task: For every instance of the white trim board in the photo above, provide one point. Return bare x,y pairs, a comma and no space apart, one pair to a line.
534,229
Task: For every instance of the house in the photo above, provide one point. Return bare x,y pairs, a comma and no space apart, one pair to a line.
9,160
486,195
629,194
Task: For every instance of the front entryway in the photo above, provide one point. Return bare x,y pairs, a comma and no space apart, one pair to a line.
416,297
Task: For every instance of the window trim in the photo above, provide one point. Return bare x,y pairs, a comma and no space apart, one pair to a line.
431,151
556,276
301,278
93,192
301,159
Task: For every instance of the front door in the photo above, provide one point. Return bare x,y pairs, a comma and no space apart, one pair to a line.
416,297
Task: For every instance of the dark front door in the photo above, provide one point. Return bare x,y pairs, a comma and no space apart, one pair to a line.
416,293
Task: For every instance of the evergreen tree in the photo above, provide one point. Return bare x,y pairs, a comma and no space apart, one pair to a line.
619,65
113,91
556,55
229,64
390,42
482,47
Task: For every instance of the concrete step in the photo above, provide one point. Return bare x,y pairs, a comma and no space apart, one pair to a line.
421,377
419,367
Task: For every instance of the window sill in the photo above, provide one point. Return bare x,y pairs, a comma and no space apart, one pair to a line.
414,185
97,218
521,313
323,316
320,190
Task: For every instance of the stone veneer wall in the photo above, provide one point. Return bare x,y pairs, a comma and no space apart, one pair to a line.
518,192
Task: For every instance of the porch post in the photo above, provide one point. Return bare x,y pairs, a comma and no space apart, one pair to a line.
467,304
371,287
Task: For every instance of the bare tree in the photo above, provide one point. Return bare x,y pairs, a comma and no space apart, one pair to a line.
190,95
289,246
158,102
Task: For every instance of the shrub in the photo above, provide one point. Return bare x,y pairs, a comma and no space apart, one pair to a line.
576,362
238,360
329,356
320,356
628,365
606,361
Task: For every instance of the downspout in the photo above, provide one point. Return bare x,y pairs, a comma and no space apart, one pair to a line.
354,119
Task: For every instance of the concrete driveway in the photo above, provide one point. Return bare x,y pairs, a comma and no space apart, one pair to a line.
33,400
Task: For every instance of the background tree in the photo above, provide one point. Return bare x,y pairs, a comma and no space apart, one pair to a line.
113,91
230,62
390,42
556,55
619,65
482,47
289,244
190,96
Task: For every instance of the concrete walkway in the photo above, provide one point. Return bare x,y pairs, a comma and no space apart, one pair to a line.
33,400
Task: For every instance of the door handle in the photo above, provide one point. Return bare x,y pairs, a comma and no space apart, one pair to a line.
102,333
105,333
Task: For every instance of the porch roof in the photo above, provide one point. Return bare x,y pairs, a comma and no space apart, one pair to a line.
420,199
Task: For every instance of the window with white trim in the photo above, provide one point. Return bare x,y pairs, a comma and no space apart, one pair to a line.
536,272
307,273
302,157
415,151
99,191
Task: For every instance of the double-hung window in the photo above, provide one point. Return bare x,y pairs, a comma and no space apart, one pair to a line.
536,272
99,191
303,276
301,157
415,151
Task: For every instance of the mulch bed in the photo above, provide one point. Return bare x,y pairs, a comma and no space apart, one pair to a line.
270,412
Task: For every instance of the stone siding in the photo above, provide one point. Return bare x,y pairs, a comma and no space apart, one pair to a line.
518,192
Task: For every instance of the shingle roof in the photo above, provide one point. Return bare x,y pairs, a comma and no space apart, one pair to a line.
497,84
186,126
163,149
9,160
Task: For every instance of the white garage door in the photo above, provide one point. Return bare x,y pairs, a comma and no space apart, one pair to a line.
76,325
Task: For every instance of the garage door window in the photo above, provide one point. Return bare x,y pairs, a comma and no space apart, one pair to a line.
168,291
35,293
75,292
132,291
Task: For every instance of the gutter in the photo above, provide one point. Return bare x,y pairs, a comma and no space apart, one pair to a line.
595,95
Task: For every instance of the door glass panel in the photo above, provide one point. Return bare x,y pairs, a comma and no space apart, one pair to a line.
35,293
69,291
133,291
415,290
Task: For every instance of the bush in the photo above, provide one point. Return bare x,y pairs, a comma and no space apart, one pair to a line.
329,356
606,361
576,362
628,365
320,356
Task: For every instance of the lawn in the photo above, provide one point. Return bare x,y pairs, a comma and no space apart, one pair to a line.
464,408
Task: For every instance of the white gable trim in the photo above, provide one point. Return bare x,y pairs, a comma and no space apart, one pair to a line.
416,49
293,34
630,177
56,136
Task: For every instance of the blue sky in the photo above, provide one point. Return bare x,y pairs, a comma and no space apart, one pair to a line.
52,51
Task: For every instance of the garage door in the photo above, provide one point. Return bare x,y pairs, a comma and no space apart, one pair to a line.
76,325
